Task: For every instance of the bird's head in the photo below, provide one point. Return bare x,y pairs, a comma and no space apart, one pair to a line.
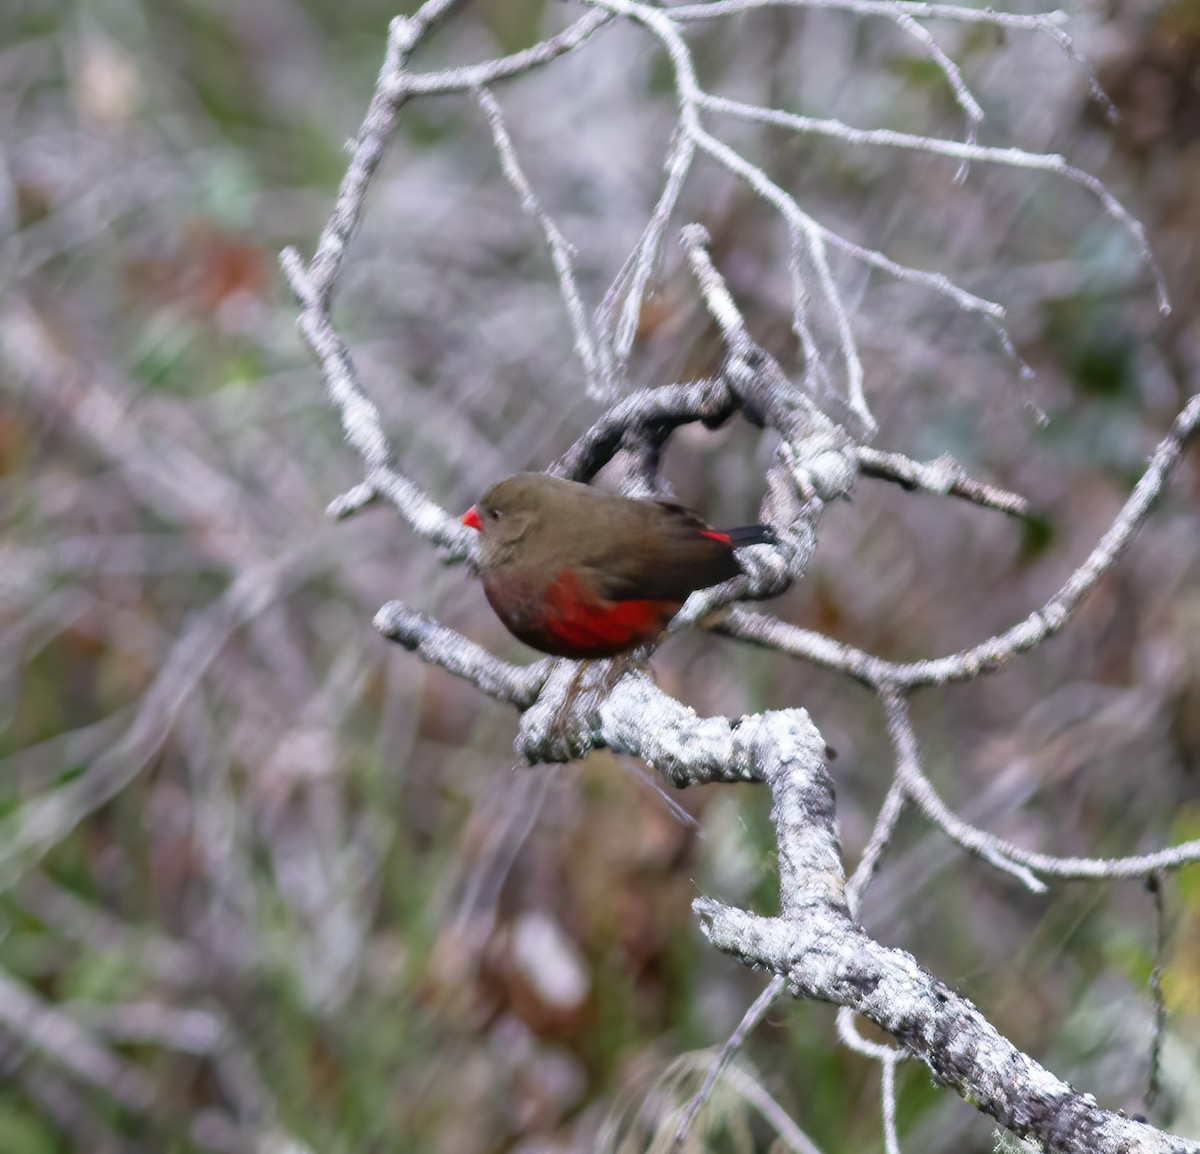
509,510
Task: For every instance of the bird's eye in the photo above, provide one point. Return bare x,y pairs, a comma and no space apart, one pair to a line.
494,514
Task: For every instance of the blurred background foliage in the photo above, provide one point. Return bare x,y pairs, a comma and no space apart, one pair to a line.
270,884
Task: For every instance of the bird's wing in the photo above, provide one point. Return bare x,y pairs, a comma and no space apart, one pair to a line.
671,553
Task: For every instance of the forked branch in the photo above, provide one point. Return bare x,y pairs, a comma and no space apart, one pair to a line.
815,948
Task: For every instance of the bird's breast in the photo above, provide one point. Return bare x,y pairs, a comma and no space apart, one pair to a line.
562,615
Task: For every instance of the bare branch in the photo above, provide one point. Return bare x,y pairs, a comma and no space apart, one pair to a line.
691,99
996,651
887,1093
362,424
823,954
915,9
470,77
594,357
1051,618
954,78
404,35
1154,883
945,476
1012,859
872,857
1048,23
421,634
815,945
651,412
750,1020
966,152
645,257
917,788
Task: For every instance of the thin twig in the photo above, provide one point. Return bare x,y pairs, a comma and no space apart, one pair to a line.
943,476
1023,864
594,357
1154,883
750,1020
872,856
996,651
648,252
954,77
1048,23
887,1094
958,150
466,78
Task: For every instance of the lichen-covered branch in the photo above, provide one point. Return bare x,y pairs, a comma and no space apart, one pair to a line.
822,953
995,652
1004,855
815,947
421,634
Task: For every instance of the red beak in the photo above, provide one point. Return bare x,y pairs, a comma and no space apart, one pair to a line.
471,519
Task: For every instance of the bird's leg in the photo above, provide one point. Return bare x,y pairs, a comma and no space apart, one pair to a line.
592,680
558,726
573,690
546,726
565,716
632,662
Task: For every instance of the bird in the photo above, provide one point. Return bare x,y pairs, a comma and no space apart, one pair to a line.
576,572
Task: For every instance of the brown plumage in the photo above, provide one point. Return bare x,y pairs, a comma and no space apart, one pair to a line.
576,572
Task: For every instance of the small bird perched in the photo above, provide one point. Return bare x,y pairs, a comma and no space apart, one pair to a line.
579,573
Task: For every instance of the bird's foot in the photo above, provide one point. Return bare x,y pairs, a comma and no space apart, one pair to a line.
562,724
556,727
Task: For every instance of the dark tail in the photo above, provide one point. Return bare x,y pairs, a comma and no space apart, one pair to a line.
751,535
